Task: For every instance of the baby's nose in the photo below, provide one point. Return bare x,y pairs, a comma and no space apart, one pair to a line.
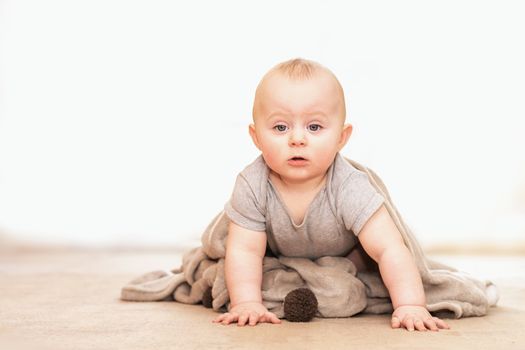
297,139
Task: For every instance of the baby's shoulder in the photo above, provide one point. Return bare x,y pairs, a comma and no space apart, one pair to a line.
255,175
344,173
256,170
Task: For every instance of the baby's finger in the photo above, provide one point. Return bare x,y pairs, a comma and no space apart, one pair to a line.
242,319
420,326
270,317
231,317
395,322
264,318
275,319
431,324
253,318
220,317
440,323
409,323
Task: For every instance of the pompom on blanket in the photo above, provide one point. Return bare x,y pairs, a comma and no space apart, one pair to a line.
340,289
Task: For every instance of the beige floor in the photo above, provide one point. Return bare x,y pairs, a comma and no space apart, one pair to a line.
63,299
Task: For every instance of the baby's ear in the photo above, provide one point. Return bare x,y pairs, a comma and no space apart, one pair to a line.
253,134
345,135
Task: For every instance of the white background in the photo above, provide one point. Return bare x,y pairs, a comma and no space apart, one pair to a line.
125,122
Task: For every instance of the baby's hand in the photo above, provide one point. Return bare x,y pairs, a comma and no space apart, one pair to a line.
418,316
248,311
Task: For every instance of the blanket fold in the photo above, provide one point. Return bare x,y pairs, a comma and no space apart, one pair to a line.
340,289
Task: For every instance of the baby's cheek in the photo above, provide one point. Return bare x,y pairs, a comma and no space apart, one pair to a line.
271,158
326,154
275,157
324,159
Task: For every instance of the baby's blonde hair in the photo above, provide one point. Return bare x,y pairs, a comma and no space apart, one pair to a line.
298,69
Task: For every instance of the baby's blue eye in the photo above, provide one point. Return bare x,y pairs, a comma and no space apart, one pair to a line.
280,127
314,127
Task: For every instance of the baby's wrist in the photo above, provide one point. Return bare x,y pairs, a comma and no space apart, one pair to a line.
245,302
412,305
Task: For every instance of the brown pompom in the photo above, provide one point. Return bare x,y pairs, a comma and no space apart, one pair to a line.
207,300
300,305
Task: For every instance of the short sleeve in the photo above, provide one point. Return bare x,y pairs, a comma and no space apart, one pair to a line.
357,201
243,209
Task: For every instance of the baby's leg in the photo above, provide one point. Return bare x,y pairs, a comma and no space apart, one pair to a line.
361,260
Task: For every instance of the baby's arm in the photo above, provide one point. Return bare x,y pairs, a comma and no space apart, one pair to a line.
382,240
243,272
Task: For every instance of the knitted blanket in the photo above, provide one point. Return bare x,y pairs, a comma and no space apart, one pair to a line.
340,289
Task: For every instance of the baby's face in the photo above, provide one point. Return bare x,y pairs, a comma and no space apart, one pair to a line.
299,126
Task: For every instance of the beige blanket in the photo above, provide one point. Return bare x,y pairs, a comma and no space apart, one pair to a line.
341,291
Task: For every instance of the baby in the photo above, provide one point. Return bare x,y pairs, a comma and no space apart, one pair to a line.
301,186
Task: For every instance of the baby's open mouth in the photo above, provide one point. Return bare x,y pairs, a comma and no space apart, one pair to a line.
297,158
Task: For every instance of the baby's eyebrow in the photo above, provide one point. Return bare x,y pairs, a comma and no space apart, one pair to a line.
276,114
321,113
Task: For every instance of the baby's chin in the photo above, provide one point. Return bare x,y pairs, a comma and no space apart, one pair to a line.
299,176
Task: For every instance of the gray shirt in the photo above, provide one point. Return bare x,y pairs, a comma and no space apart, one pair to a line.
331,223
